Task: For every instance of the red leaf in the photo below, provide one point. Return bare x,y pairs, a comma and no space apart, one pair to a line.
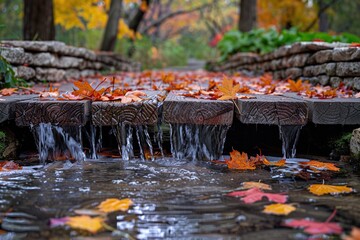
313,227
254,195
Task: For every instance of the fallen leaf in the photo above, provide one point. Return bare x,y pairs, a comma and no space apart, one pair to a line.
90,224
320,165
254,195
239,161
279,209
247,185
114,204
313,227
279,163
322,189
354,235
8,91
228,89
9,165
295,86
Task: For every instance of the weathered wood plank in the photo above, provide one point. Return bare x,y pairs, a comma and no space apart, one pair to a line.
268,109
7,105
332,111
137,113
179,109
66,113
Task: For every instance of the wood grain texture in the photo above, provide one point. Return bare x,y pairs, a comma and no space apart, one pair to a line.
333,111
137,113
7,111
179,109
268,109
65,113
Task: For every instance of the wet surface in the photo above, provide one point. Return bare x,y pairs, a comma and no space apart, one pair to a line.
173,199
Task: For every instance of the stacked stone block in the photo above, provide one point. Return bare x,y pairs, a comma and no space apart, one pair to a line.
320,63
56,61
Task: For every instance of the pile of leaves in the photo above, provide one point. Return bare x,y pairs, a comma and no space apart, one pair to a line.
265,41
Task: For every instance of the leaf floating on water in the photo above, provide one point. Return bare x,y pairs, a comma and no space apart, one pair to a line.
9,165
87,223
254,195
354,235
247,185
279,163
279,209
114,204
313,227
322,189
320,165
240,161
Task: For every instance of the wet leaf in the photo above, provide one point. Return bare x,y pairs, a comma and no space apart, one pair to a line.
313,227
322,189
87,223
228,89
9,165
254,195
354,235
279,209
239,161
114,204
247,185
88,212
279,163
320,165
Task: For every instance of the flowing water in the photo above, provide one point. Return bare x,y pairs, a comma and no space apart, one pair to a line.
173,199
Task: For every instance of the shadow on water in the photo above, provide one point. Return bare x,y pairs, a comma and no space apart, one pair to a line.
172,199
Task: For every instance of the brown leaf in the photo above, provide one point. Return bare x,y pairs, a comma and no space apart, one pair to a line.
228,89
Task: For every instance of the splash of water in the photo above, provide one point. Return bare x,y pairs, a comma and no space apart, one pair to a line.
54,142
124,138
289,135
194,142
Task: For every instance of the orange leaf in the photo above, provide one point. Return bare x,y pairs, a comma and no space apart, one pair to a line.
295,86
114,204
320,165
355,234
322,189
247,185
228,89
8,91
279,163
90,224
9,165
240,161
279,209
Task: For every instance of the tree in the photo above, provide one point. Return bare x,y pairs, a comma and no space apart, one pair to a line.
247,20
112,25
38,21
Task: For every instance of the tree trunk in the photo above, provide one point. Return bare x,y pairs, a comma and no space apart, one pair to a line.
38,21
247,20
323,18
110,35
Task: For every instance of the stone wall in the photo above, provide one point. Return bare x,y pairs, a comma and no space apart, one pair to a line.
56,61
323,63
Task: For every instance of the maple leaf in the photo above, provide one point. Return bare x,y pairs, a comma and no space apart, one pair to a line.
247,185
228,89
313,227
53,92
320,165
8,91
295,86
322,189
114,204
279,209
279,163
239,161
90,224
254,195
9,165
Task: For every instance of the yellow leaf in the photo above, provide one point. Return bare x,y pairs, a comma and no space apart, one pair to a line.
248,185
90,224
279,209
320,165
228,89
279,163
321,189
114,204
